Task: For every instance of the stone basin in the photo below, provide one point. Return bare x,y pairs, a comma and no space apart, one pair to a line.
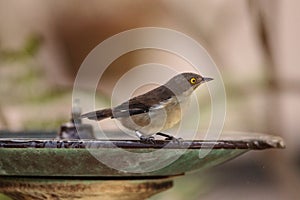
35,165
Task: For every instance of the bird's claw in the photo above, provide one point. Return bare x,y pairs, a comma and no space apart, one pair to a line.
171,138
147,140
174,139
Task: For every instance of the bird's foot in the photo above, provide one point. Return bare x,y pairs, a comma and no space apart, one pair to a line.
171,138
145,139
175,140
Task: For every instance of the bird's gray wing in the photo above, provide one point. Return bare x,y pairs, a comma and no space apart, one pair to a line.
143,103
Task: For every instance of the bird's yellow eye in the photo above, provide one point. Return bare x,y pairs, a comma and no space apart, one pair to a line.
193,80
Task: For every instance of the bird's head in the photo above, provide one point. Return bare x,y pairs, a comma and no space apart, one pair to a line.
186,82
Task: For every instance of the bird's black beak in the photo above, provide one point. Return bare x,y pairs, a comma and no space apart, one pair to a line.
206,79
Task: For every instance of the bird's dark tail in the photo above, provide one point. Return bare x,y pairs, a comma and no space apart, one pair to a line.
98,115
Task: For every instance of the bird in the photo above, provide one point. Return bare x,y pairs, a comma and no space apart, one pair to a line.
156,110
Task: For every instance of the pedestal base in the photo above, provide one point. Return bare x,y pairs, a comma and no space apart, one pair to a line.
33,189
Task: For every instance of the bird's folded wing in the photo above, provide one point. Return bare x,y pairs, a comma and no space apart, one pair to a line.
143,103
128,109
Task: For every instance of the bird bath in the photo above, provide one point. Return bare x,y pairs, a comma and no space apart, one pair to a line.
36,166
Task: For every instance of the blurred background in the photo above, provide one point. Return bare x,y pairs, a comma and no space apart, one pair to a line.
255,45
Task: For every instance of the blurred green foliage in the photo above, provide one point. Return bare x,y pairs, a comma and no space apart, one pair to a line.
3,197
27,89
30,48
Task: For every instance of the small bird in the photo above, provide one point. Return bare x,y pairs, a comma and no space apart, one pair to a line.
156,110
